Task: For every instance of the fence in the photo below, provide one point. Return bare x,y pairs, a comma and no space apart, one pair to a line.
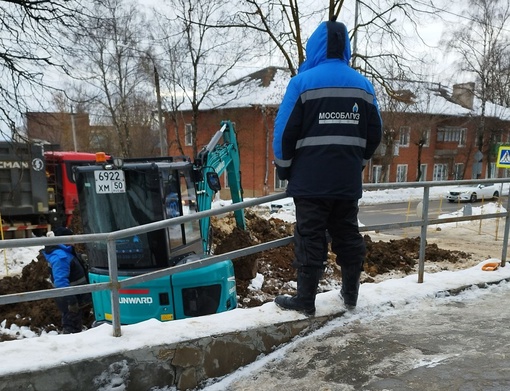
114,285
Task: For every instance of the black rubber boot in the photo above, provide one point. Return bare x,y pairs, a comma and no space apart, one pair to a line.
304,301
350,285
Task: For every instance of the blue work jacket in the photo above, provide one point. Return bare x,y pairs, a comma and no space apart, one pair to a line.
328,125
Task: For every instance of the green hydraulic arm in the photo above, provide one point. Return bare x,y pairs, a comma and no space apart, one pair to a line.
211,162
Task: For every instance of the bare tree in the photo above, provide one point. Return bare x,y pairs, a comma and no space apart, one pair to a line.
481,43
499,79
200,54
386,151
174,99
73,128
110,49
31,45
495,130
378,30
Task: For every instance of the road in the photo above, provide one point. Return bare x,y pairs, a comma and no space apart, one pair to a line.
440,344
405,211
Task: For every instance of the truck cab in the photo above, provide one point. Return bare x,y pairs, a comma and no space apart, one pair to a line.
61,187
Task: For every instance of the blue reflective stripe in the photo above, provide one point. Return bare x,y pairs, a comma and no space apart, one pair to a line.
337,93
331,140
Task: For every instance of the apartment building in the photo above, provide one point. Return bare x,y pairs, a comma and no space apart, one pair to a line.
430,133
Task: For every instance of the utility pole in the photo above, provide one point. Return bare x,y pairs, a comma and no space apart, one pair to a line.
355,36
162,130
73,129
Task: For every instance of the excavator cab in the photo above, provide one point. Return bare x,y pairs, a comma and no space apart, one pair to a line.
113,198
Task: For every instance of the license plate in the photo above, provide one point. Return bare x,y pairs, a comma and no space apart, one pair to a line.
110,181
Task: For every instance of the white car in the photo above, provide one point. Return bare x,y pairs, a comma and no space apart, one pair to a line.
283,205
472,193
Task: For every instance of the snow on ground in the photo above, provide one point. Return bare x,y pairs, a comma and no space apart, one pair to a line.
389,295
13,260
23,354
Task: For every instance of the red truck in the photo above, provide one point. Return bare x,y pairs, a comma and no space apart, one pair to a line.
37,189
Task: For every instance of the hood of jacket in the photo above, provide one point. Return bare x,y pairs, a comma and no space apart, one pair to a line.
329,41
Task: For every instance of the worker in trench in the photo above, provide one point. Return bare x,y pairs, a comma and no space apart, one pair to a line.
68,269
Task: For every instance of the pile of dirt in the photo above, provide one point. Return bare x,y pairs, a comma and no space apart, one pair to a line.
400,256
274,265
39,315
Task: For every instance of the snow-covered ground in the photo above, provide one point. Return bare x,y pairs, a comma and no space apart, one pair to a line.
23,354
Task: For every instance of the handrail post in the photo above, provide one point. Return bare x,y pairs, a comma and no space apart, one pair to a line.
423,236
114,283
506,231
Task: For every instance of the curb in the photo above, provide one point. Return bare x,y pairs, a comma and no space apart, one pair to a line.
184,365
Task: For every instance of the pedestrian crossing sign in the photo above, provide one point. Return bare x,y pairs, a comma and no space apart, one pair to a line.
503,160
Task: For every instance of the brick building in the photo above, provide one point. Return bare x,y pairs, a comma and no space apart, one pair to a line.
431,134
441,139
69,131
253,113
254,129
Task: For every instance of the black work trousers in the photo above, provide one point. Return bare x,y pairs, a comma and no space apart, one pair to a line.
315,217
72,322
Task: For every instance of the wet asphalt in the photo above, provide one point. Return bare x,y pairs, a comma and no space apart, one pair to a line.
459,343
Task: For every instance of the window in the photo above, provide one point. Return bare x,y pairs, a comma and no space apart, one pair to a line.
279,184
458,173
440,172
497,137
376,174
423,173
451,134
402,173
405,132
180,199
426,135
188,135
396,148
107,212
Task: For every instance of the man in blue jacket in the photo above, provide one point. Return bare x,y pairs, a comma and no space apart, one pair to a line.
67,270
327,128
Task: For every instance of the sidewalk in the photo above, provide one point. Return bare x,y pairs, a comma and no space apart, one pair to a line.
454,343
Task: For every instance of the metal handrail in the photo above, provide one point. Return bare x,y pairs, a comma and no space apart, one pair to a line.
110,238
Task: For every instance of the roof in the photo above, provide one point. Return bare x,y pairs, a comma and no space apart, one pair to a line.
263,87
267,87
436,98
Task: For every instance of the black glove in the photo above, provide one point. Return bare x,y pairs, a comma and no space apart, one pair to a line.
283,172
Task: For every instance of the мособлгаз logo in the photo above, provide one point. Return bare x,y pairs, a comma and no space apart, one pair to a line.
340,117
